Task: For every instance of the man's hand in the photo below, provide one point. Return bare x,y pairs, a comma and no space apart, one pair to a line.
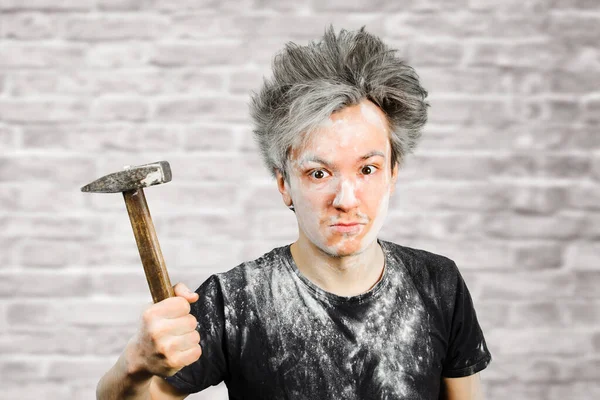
167,339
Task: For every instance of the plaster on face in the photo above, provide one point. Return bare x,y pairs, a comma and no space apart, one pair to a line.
345,194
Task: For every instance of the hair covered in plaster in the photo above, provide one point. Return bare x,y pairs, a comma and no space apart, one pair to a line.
311,82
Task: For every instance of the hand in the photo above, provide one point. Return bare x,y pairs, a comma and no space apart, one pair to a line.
167,339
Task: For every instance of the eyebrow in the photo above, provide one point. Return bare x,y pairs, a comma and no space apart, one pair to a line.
329,165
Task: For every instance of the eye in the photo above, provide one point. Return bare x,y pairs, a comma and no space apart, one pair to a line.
369,169
318,174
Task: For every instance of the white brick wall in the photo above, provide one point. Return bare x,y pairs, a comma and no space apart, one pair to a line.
506,180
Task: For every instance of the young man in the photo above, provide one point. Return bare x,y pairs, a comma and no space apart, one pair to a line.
339,313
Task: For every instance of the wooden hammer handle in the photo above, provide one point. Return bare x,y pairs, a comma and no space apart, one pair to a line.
147,242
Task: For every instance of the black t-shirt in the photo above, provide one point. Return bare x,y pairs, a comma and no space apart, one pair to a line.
270,333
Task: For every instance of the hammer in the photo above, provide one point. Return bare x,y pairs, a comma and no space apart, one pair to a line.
131,182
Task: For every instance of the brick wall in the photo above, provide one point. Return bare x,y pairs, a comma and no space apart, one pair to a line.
506,181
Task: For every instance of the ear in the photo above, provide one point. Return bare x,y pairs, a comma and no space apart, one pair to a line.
394,178
283,188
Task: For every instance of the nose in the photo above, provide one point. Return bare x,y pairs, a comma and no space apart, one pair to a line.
345,195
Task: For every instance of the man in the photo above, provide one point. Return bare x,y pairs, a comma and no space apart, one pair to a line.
339,313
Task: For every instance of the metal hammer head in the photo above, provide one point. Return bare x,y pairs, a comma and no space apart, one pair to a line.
131,178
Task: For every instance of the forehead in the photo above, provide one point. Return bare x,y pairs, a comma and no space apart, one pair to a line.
348,133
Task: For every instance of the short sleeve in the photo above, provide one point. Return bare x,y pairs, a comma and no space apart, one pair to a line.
467,351
211,368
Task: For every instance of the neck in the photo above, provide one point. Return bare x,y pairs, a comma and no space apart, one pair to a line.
343,276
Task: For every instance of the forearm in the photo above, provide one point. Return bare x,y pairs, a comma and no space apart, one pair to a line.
122,383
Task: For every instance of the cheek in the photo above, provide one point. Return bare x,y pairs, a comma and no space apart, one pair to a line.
373,193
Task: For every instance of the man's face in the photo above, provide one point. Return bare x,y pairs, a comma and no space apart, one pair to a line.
342,176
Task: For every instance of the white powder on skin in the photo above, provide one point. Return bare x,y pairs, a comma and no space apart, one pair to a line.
344,140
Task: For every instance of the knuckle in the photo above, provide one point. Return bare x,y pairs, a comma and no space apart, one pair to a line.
191,320
147,316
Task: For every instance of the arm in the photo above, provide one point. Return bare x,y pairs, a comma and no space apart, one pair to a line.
166,341
119,383
465,388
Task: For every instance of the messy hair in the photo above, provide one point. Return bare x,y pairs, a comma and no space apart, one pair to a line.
311,82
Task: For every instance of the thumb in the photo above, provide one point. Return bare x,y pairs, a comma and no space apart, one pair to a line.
182,290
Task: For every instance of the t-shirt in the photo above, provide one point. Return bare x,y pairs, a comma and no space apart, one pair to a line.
270,333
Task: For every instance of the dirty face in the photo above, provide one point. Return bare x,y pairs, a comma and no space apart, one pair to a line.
342,176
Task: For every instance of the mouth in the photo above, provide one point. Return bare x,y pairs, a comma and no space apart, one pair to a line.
352,227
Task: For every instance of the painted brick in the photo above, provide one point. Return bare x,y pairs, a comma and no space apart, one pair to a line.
539,199
549,165
540,55
112,136
27,26
49,253
557,137
19,370
191,54
32,55
446,79
434,53
42,390
541,341
586,284
78,313
43,110
526,6
581,28
46,284
207,137
537,315
277,225
77,369
121,5
538,368
582,255
595,168
535,391
48,226
183,5
27,83
8,137
209,167
58,169
582,314
118,108
420,196
48,5
344,5
527,285
574,4
117,27
575,391
559,226
534,256
118,54
591,110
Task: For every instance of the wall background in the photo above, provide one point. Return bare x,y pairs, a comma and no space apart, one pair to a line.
506,180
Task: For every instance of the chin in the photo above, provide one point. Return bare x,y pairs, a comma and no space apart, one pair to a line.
345,247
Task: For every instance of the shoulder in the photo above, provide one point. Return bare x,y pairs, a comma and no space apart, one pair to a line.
420,261
433,273
252,272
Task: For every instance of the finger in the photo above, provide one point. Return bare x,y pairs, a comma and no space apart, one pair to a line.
190,355
182,290
177,326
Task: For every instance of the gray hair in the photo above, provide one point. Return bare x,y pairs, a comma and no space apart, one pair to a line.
311,82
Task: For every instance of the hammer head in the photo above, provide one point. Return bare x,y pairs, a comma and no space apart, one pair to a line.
131,178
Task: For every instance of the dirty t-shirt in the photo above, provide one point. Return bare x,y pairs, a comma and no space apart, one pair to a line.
270,333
